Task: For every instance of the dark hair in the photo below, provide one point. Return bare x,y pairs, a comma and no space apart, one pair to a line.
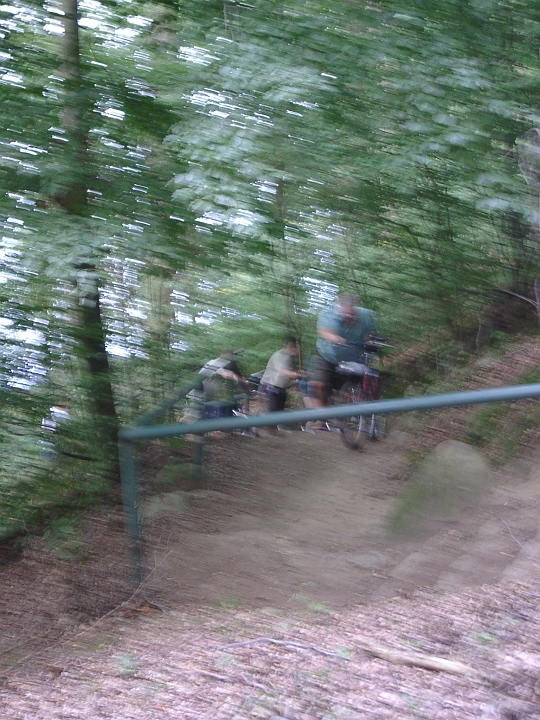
290,340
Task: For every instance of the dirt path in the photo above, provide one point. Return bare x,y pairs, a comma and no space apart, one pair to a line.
301,524
289,543
293,522
296,521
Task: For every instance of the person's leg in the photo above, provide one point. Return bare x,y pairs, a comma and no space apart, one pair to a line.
280,399
273,402
264,390
319,388
310,403
317,381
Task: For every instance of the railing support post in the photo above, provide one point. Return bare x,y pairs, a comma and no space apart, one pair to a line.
198,477
128,476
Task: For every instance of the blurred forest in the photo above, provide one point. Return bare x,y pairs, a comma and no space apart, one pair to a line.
181,177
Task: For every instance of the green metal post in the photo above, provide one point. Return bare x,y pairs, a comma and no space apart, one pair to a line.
198,476
130,480
128,476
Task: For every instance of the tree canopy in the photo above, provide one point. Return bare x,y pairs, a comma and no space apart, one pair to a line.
179,177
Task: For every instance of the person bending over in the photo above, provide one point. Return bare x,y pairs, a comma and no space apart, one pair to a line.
219,379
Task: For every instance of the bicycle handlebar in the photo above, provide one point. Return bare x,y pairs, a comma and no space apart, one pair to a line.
371,342
376,344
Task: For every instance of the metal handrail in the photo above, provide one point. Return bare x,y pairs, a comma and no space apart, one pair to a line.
132,433
378,407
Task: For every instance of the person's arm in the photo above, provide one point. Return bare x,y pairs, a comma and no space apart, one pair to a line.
330,335
284,367
292,374
231,372
327,327
229,375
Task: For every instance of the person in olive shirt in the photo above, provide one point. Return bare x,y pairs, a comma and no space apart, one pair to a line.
341,330
219,380
278,375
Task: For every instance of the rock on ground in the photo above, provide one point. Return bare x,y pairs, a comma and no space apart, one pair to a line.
451,478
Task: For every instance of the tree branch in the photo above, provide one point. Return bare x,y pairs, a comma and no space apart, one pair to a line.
398,657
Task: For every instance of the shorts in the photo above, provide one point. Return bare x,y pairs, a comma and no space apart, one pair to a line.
276,397
320,371
303,386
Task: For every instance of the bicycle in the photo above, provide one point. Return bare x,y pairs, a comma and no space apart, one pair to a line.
244,401
253,395
362,384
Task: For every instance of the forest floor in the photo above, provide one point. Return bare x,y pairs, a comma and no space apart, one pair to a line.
277,592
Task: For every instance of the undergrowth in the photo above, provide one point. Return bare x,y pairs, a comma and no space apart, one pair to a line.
499,428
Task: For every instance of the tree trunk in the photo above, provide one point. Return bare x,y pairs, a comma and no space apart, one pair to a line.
90,334
286,278
91,342
73,194
537,295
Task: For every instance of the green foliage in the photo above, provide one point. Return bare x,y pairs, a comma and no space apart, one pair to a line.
243,162
483,427
500,429
174,476
63,538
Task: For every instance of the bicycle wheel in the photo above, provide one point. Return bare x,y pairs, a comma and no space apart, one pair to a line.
351,427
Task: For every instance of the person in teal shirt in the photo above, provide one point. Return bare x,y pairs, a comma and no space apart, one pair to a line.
341,331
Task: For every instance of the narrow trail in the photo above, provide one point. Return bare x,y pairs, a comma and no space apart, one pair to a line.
299,521
266,588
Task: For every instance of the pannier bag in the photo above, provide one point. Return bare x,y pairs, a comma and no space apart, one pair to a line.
219,409
371,384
